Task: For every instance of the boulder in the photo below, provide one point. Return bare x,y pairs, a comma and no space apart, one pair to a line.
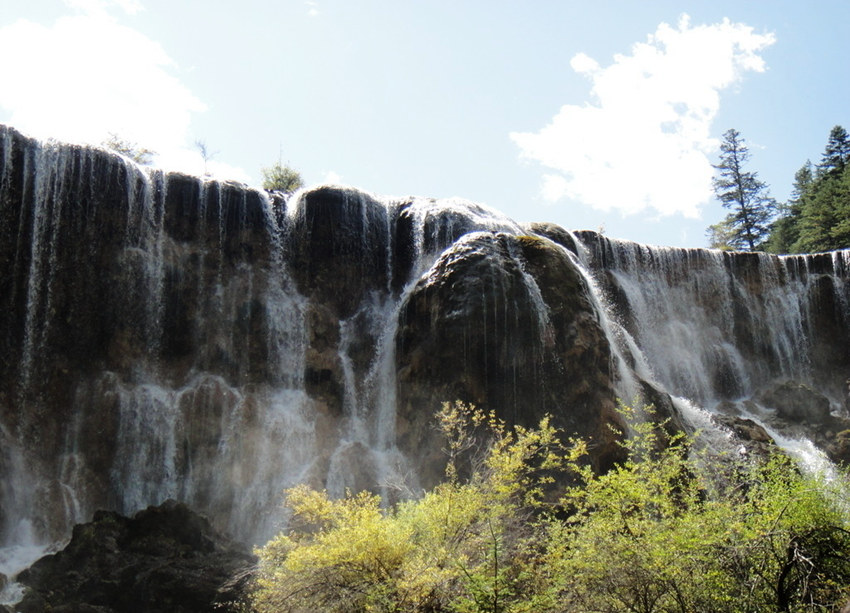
164,559
504,323
751,435
796,403
838,449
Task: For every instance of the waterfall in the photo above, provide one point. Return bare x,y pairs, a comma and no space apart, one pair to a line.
169,336
161,352
716,326
717,330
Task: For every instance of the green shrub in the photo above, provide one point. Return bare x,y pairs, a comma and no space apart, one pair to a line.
665,531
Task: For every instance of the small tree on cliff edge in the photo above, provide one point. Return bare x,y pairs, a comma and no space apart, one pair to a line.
739,190
281,178
140,155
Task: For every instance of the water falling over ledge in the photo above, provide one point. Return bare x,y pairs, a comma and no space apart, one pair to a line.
167,336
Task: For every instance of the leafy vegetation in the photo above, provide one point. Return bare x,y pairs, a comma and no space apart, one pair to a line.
521,524
281,178
140,155
817,218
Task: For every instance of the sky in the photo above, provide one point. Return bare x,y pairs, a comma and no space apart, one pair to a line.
602,115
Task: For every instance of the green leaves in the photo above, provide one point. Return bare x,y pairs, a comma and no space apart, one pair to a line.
527,526
281,178
817,217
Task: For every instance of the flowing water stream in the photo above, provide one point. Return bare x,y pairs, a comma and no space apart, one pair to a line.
161,340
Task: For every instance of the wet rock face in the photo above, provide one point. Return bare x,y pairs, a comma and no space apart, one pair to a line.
339,247
504,323
752,436
165,559
164,336
796,403
798,409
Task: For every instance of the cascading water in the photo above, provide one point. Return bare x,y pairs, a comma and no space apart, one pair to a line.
716,330
177,351
719,326
166,336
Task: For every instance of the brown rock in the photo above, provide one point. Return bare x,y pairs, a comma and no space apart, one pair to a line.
796,403
504,323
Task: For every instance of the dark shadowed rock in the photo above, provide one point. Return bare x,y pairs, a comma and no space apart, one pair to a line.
339,247
164,559
796,403
504,323
754,438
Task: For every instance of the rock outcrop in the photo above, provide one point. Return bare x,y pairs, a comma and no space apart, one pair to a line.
165,559
796,403
504,322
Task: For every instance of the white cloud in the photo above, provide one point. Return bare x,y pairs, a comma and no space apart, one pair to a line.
644,141
99,7
313,8
583,63
86,76
332,178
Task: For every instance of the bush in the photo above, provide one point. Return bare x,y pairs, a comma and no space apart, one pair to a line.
281,178
664,531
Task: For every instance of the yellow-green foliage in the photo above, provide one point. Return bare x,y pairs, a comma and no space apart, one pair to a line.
662,532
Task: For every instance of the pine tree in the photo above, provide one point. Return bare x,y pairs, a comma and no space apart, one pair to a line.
785,231
742,192
824,222
837,152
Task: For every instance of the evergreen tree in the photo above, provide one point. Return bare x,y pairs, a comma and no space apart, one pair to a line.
824,207
837,152
785,231
841,232
742,191
825,221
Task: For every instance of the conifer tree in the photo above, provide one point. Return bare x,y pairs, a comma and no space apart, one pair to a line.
785,231
742,192
837,152
824,222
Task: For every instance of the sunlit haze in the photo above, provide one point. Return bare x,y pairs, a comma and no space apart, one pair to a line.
604,116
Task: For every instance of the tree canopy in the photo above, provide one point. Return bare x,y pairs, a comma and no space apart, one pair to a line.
817,215
281,178
137,153
748,225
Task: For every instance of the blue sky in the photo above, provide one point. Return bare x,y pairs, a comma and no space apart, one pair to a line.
586,114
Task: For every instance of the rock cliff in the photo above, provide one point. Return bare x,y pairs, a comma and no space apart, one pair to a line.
164,336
